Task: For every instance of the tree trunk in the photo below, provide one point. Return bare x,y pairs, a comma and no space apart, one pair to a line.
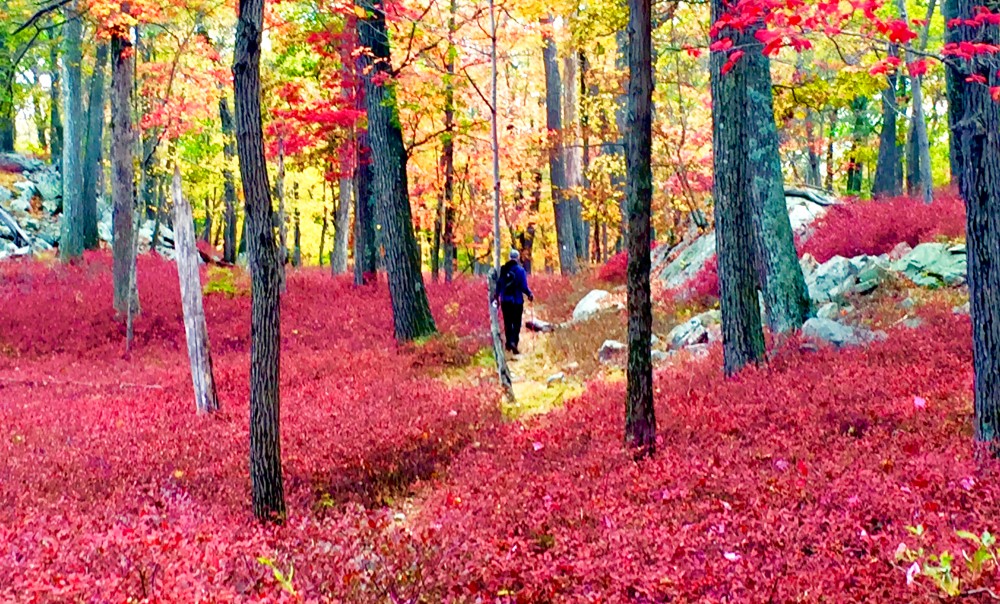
342,228
71,242
448,149
123,177
494,277
195,328
781,280
977,127
887,167
828,181
812,174
854,168
268,492
279,192
228,153
742,336
323,228
640,418
365,243
93,163
918,170
55,93
158,218
565,238
410,309
296,239
954,86
572,152
7,113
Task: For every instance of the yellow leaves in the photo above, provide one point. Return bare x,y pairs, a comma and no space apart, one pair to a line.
360,12
178,474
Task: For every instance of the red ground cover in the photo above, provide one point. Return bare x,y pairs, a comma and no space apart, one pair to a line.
875,227
792,483
112,488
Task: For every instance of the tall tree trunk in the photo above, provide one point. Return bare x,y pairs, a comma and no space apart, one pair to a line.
887,167
123,177
742,336
410,309
781,279
565,238
954,86
571,151
7,113
918,170
448,149
813,178
854,168
296,239
324,224
342,228
588,91
494,278
158,218
828,181
640,418
267,488
365,242
977,127
279,192
93,162
228,153
195,328
71,241
55,96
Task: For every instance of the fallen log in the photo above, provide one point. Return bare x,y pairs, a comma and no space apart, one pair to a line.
21,238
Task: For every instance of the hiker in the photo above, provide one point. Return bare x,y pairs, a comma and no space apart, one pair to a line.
512,287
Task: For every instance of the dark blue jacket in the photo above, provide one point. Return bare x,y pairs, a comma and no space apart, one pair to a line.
513,274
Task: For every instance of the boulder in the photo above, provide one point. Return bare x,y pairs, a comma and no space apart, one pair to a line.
590,305
829,310
934,265
539,326
873,271
963,309
689,262
697,330
49,187
17,164
611,350
838,334
832,280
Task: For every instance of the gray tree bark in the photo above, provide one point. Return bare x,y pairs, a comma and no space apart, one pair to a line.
342,228
565,237
742,335
918,170
977,127
122,174
640,417
888,169
279,192
56,101
71,239
781,279
410,309
266,482
573,154
195,327
228,155
93,162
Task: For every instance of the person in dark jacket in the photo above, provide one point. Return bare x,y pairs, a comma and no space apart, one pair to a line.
512,287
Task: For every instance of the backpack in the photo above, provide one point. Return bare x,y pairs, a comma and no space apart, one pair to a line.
508,285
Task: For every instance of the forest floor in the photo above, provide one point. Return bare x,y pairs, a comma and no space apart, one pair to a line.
824,476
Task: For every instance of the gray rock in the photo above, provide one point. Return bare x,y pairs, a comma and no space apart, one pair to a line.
808,264
539,326
873,271
12,162
571,367
838,334
964,309
832,280
590,305
557,378
913,322
610,350
908,303
49,187
934,265
689,262
5,195
688,333
830,310
660,357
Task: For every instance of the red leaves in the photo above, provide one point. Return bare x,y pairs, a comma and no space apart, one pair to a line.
898,31
734,57
917,68
866,227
